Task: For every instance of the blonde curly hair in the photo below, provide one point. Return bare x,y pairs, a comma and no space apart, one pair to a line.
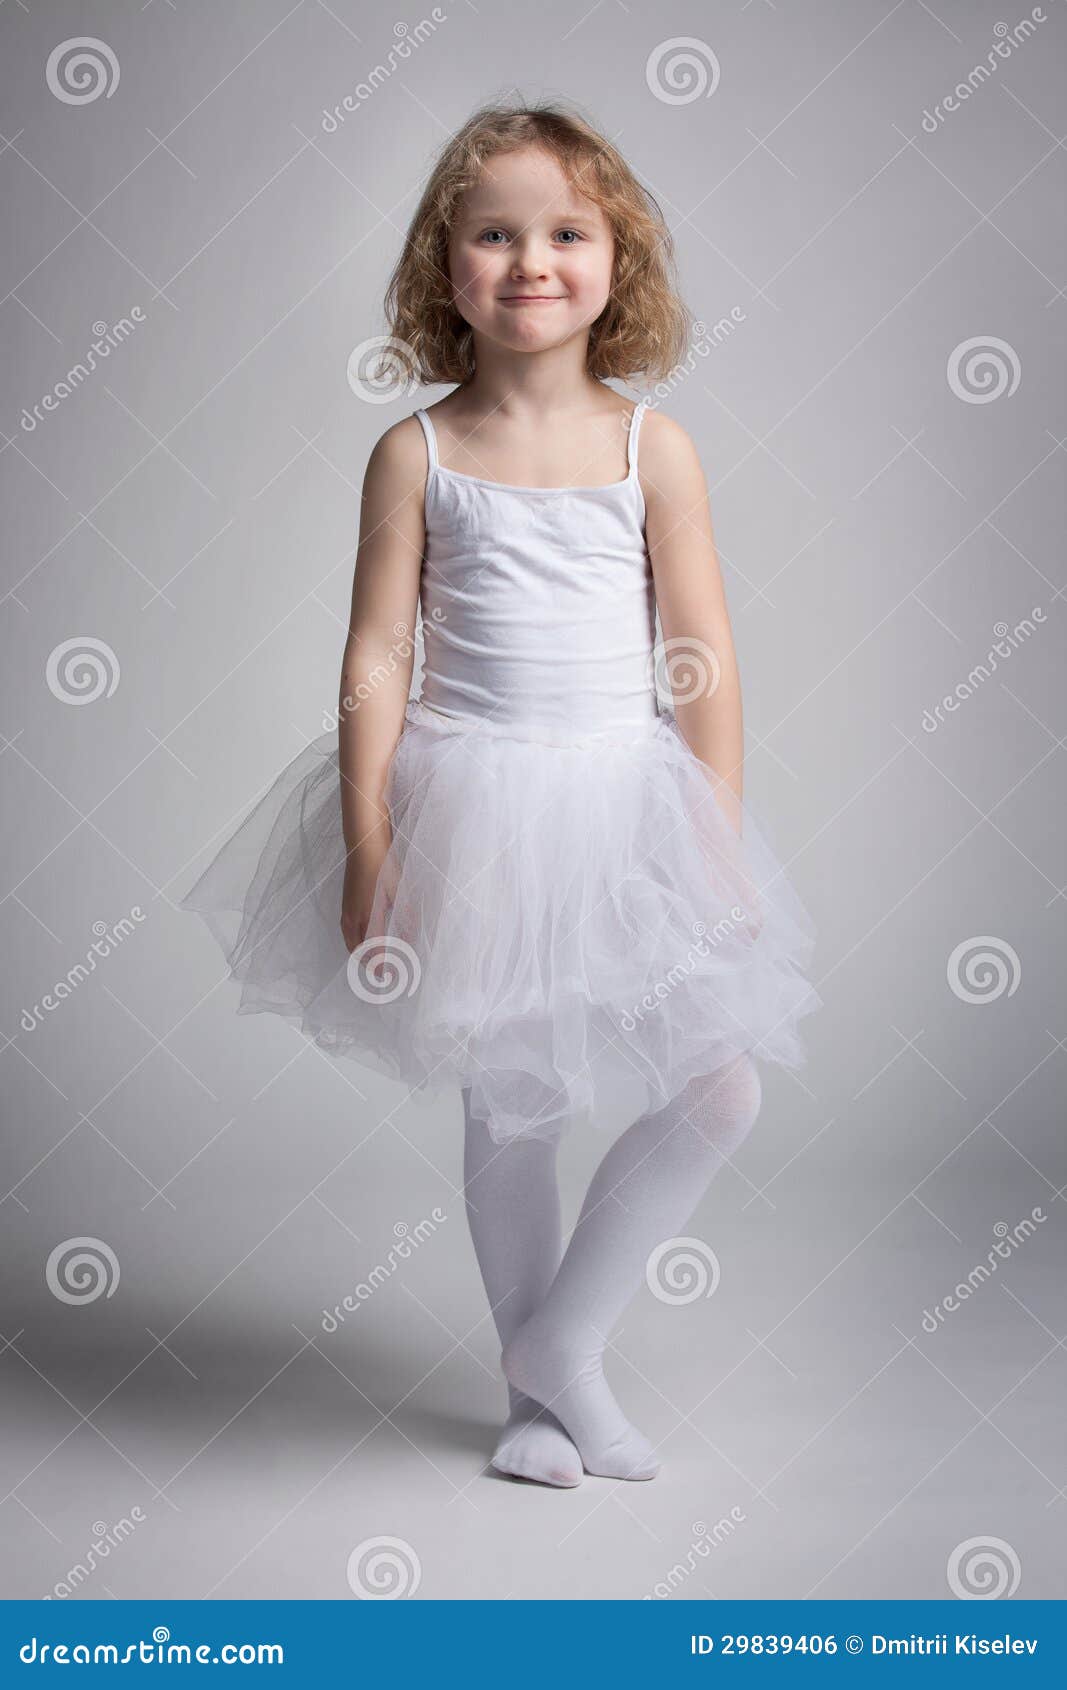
644,327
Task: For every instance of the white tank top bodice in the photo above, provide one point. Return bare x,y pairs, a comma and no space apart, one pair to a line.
538,607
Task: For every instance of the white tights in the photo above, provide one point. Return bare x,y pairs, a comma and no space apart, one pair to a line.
553,1316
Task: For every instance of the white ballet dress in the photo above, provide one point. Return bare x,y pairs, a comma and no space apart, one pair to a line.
565,906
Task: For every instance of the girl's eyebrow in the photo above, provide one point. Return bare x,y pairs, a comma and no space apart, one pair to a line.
494,216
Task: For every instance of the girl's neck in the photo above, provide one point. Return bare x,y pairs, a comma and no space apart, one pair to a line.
517,385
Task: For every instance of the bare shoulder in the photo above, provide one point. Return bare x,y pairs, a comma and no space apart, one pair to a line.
398,462
668,462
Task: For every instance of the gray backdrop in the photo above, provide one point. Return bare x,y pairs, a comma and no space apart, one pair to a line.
878,264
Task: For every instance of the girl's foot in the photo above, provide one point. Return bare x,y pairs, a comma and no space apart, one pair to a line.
572,1384
533,1445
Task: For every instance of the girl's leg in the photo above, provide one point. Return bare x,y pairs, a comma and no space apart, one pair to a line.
513,1210
642,1194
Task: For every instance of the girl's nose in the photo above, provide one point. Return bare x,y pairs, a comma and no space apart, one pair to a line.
528,262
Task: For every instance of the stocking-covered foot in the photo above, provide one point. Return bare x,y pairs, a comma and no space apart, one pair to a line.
533,1445
569,1379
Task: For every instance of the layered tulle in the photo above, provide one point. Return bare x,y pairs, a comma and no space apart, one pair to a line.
554,916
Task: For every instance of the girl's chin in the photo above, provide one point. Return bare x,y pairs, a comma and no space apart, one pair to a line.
528,335
526,331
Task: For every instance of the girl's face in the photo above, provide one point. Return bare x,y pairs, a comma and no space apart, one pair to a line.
530,259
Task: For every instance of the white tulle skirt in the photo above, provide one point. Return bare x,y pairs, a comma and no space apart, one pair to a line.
552,918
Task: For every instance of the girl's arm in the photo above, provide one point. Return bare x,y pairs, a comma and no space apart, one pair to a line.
698,642
379,657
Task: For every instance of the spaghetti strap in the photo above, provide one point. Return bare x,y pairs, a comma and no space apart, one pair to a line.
635,429
431,438
631,457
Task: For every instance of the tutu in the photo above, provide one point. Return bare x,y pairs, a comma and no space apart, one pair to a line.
565,905
549,918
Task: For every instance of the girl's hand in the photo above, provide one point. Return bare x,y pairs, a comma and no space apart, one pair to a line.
751,902
728,855
363,871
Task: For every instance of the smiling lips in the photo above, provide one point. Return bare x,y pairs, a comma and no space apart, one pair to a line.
531,298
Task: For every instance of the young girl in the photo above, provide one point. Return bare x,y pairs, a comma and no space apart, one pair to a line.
536,881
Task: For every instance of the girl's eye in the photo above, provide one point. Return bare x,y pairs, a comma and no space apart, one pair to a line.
486,233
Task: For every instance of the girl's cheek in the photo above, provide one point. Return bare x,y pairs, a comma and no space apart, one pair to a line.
479,277
469,283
